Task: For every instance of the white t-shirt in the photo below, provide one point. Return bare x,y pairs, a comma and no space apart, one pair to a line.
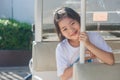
66,55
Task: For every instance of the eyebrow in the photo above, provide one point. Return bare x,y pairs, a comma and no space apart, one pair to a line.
71,21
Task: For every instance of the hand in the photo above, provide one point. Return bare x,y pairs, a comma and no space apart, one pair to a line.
90,55
84,38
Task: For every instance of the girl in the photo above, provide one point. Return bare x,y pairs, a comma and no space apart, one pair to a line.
67,23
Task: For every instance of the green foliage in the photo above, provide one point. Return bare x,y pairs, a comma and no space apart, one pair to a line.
15,35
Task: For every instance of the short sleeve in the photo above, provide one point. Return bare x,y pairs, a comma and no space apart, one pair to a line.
99,42
62,62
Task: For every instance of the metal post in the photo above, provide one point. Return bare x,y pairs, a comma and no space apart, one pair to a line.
83,22
38,20
98,26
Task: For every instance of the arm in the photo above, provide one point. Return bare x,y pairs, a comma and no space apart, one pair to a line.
67,74
63,70
105,56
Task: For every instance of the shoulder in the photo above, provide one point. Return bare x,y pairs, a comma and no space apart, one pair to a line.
61,45
94,35
98,41
95,38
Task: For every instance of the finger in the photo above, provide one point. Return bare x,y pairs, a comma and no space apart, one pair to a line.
82,35
87,51
87,58
83,38
83,32
92,56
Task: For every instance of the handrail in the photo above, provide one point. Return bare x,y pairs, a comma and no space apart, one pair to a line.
83,23
38,20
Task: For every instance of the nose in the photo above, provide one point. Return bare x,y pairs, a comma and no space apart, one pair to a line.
71,29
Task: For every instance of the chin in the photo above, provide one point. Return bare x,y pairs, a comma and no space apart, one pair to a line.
76,38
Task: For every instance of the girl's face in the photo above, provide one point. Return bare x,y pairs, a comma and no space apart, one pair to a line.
69,28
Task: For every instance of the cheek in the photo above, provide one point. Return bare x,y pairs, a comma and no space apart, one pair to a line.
77,26
62,33
65,34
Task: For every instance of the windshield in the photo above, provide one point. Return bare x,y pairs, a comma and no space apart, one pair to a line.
109,10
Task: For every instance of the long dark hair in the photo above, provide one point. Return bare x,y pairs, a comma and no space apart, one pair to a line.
61,13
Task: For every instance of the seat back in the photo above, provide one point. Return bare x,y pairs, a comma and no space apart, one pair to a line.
44,56
115,45
96,72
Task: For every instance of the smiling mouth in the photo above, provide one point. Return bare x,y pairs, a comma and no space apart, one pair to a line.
74,33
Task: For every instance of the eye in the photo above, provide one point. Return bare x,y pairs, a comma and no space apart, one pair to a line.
64,29
72,23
